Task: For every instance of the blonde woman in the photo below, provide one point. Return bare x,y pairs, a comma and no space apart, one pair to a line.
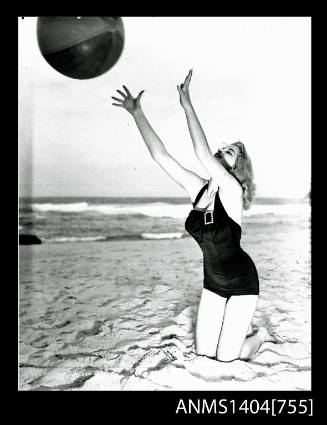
231,285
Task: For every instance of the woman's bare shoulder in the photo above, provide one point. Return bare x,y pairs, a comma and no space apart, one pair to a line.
231,197
231,186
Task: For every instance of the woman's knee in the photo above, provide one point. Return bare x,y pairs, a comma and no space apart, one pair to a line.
205,351
227,354
214,355
227,359
206,355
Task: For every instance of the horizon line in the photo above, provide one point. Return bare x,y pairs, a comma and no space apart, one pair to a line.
307,196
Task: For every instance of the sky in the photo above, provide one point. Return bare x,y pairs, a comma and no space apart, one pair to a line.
251,82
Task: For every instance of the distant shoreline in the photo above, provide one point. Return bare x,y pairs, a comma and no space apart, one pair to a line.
258,200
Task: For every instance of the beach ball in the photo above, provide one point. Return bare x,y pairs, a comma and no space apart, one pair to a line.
80,47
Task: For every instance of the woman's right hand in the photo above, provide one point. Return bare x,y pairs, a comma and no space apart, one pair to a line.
131,104
184,91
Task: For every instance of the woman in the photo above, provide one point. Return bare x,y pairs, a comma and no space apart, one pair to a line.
231,287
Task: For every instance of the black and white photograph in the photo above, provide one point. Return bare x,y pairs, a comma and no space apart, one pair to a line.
164,203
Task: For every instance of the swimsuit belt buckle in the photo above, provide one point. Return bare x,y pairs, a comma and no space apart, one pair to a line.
210,218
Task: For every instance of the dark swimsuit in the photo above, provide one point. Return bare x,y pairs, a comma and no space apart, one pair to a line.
228,270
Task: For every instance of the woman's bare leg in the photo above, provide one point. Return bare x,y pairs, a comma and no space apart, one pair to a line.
238,316
209,322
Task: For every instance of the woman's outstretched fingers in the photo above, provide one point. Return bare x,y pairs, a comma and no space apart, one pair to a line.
188,78
116,98
122,93
127,91
127,101
140,95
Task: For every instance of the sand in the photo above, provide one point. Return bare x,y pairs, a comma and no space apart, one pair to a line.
121,315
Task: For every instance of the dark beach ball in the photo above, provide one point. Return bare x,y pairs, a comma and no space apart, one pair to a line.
81,47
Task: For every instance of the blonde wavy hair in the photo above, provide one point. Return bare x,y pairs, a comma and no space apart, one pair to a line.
243,172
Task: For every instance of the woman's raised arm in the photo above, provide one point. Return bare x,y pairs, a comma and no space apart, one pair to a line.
201,148
189,180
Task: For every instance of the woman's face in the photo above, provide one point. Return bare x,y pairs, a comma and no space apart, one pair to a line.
228,155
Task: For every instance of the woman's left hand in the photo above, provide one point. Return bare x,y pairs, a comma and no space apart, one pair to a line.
183,90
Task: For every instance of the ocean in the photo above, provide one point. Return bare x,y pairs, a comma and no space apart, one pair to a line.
85,219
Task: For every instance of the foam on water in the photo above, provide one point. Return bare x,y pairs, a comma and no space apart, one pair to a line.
176,235
286,209
137,236
162,209
156,209
71,207
76,239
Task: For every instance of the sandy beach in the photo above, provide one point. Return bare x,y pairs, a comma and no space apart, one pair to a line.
121,315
